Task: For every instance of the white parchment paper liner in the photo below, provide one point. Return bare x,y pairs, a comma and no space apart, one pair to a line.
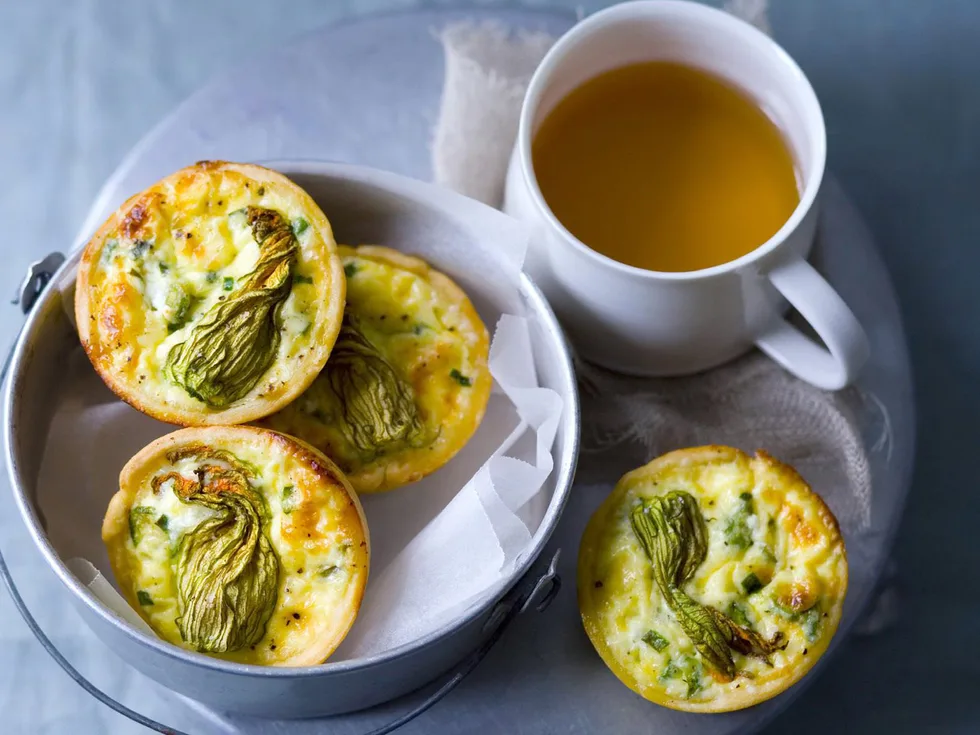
438,545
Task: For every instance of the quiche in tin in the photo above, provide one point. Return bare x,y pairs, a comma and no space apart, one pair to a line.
710,580
240,543
212,297
408,381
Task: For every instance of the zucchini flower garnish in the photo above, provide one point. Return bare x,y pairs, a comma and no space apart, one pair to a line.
227,572
235,343
672,531
377,404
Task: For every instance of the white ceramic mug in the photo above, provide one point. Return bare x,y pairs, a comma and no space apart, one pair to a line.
654,323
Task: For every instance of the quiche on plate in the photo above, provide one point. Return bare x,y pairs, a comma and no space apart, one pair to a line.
212,297
240,543
710,580
408,381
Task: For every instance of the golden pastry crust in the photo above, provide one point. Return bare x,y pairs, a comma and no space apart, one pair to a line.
162,264
425,327
763,520
313,520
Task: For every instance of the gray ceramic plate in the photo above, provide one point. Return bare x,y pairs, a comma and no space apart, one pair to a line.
377,84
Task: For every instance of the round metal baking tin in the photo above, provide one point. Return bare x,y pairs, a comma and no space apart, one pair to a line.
365,205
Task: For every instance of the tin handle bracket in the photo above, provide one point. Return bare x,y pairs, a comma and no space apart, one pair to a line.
38,275
539,595
546,587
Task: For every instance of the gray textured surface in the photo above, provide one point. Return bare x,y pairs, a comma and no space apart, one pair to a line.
81,82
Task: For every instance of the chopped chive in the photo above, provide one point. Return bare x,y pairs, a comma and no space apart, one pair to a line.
108,249
693,680
144,598
350,269
811,624
139,248
180,304
163,522
327,571
737,614
419,328
211,277
299,226
164,267
302,279
747,506
289,503
671,670
460,378
689,671
653,639
751,583
737,531
138,517
229,283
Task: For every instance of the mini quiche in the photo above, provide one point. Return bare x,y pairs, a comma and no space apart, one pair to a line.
213,297
710,580
240,543
408,381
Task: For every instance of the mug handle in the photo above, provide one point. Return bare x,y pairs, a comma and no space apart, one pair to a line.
831,367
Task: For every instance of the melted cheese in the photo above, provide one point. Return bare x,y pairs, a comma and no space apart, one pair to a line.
172,253
426,327
316,529
763,524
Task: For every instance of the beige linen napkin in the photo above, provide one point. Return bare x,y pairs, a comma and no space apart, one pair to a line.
750,403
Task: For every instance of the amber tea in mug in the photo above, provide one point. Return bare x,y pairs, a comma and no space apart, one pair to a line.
665,167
